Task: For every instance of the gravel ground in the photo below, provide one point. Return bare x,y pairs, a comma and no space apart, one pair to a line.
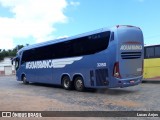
15,96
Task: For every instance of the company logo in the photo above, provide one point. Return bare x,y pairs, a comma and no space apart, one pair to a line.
131,46
53,63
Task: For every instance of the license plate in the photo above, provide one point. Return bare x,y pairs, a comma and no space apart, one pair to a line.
132,81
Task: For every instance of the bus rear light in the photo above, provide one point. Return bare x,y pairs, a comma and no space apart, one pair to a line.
116,72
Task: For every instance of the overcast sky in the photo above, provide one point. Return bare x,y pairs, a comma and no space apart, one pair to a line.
33,21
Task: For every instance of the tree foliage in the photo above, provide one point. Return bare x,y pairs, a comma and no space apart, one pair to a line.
9,53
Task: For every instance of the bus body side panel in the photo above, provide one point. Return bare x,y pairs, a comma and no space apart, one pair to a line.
45,76
96,72
93,68
31,75
88,67
35,75
112,56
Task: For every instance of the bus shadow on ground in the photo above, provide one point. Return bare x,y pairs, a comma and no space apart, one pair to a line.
45,85
113,91
151,81
116,91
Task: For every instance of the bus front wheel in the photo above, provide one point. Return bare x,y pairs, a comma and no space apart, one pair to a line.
78,84
24,79
66,83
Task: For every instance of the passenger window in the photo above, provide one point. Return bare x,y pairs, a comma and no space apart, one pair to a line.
157,51
81,46
150,52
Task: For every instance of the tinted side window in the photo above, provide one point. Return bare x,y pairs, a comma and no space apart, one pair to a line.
28,55
157,51
150,52
91,44
80,46
112,36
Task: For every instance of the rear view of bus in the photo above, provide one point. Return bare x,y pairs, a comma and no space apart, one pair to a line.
128,68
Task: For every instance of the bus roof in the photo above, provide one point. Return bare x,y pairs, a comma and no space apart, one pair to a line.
151,45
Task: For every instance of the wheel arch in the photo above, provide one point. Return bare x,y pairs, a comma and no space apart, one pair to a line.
22,75
63,75
78,75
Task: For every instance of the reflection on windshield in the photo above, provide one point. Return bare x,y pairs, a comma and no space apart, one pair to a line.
17,64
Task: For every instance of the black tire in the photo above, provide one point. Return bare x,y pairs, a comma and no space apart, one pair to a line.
78,84
24,79
66,83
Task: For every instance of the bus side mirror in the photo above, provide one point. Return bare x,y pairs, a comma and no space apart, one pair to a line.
14,59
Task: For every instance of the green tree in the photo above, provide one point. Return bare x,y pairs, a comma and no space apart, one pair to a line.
9,53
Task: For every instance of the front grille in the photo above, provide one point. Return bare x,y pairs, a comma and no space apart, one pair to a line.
101,77
130,55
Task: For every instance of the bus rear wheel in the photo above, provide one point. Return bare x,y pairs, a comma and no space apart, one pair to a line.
78,84
66,83
24,79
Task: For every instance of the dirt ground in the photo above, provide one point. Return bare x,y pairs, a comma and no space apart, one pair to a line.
15,96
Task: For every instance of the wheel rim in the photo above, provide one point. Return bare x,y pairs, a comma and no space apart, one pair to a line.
79,84
66,83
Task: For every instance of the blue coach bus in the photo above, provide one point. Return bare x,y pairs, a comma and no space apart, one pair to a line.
104,58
